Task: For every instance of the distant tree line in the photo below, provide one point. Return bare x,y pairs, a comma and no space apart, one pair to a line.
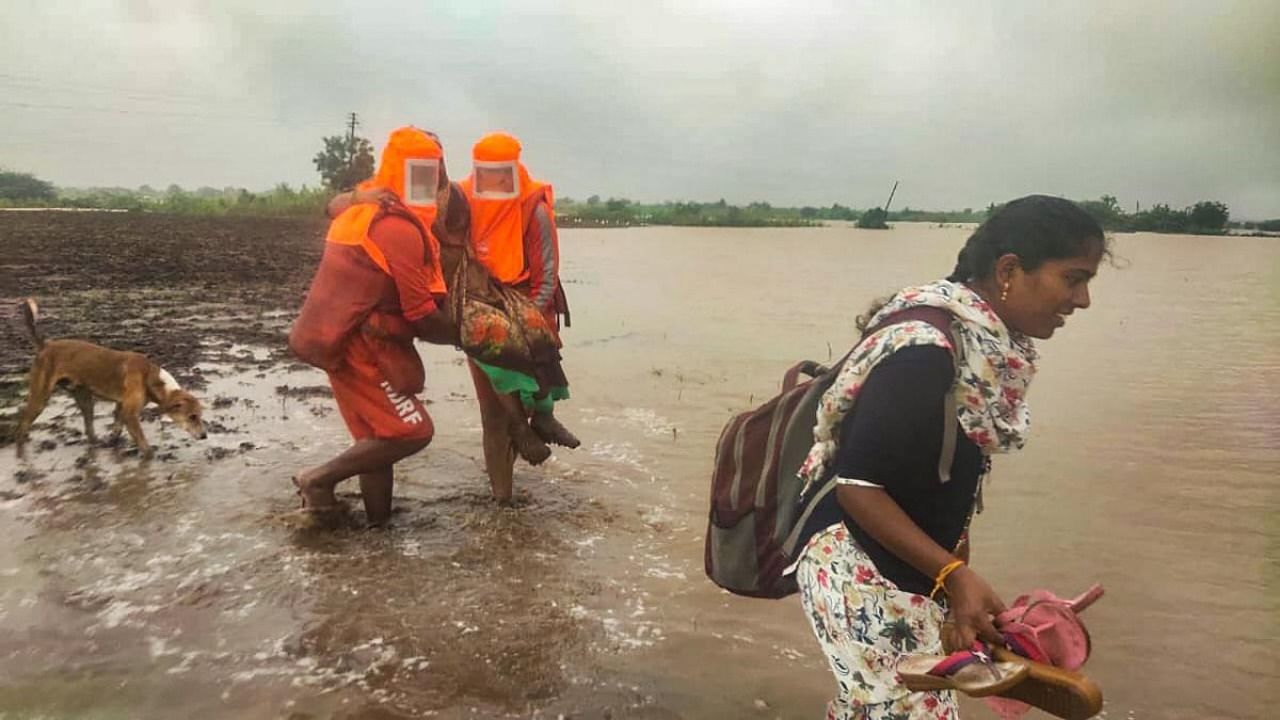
18,189
613,212
620,211
1207,217
1264,225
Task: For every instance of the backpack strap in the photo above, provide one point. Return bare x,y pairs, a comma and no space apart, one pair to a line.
804,367
810,505
937,317
949,422
940,319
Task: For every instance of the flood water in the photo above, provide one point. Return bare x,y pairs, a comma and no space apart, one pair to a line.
184,587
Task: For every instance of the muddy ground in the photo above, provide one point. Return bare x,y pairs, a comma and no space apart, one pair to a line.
179,289
187,586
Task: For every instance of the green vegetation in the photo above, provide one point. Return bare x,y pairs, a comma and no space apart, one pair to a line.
620,212
617,212
874,219
19,189
1207,217
16,186
283,200
1265,225
345,160
967,215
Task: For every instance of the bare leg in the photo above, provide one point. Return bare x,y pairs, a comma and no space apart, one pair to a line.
499,451
375,490
84,400
369,456
507,410
499,462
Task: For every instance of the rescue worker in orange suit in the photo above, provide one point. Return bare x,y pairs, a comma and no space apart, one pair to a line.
505,414
378,259
514,235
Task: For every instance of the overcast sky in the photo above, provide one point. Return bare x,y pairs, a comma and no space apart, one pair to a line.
796,103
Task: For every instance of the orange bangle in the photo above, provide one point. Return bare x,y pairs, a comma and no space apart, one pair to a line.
942,576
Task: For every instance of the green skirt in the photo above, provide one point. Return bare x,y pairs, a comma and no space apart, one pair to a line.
510,381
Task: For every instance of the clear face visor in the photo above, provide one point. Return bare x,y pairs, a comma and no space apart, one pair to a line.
421,179
496,180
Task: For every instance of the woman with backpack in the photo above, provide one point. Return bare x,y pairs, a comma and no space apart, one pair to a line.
884,574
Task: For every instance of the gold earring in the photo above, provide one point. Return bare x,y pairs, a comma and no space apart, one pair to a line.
1004,293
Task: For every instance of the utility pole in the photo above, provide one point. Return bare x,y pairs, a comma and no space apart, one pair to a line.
352,122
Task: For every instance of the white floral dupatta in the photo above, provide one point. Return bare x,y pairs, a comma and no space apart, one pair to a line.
991,385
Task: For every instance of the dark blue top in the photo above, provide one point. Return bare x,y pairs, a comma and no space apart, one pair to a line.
893,438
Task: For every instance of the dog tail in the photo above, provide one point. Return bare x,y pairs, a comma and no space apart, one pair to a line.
31,314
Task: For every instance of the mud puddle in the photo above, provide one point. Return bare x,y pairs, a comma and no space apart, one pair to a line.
188,585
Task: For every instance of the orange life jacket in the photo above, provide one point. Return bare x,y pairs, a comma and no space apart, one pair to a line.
346,290
498,226
352,226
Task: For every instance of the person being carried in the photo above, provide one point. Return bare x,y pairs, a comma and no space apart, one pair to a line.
513,232
378,259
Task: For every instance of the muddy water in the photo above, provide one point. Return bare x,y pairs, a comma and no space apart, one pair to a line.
184,587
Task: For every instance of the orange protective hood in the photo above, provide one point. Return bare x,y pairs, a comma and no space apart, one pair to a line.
498,225
405,144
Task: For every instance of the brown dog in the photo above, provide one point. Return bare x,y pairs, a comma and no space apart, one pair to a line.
90,372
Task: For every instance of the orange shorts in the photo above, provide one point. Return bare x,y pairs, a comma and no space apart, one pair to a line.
369,406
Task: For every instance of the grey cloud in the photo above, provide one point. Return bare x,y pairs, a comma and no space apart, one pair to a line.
806,104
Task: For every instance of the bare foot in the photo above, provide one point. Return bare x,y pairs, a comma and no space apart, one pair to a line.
528,444
314,497
552,431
